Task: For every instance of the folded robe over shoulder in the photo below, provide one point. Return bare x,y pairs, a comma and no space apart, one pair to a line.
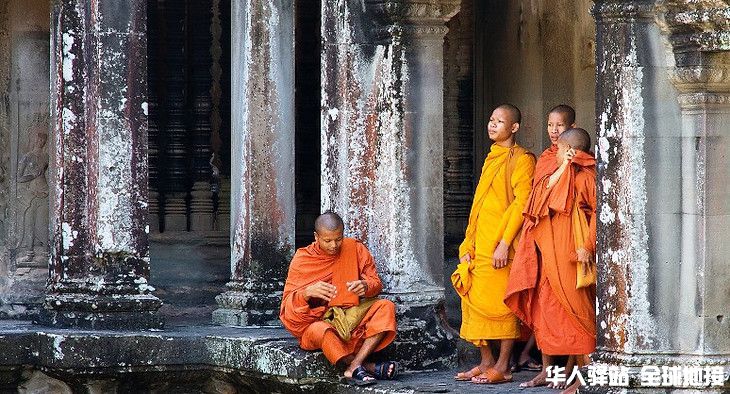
496,215
304,319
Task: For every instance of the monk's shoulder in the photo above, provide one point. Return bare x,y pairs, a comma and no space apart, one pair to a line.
526,159
358,245
585,178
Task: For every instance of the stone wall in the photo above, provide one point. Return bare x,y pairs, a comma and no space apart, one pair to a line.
24,128
458,125
534,54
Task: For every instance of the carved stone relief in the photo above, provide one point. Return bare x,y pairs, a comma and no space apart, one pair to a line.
29,120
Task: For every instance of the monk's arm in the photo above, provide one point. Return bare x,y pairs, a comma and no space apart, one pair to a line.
296,314
521,186
368,273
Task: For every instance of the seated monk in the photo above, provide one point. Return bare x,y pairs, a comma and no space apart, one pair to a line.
331,278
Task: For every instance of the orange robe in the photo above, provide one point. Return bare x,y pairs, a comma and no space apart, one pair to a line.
496,215
304,319
542,287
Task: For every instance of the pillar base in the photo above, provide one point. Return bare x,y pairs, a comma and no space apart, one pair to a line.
634,363
249,305
108,311
422,341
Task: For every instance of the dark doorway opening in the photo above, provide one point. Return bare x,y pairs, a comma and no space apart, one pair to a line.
308,104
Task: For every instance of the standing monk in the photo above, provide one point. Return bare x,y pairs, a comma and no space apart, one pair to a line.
559,118
549,288
487,250
329,303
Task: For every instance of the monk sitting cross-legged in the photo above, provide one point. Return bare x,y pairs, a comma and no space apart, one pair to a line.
329,303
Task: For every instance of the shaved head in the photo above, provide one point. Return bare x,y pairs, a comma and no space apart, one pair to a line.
328,221
577,138
514,112
566,110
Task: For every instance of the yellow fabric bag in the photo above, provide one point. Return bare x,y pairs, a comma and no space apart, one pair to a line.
580,234
344,320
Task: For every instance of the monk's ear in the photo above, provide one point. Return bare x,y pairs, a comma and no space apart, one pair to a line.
572,126
315,236
515,127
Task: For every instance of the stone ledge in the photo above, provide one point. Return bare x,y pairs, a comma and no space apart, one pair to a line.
263,352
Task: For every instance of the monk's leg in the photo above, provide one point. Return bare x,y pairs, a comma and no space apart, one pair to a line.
487,358
541,378
505,351
525,358
487,361
580,360
368,346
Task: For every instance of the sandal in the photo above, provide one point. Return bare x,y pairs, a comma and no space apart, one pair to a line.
491,376
360,377
382,370
467,375
529,365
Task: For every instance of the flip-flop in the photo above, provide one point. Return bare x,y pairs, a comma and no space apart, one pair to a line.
529,365
381,370
491,376
359,376
467,375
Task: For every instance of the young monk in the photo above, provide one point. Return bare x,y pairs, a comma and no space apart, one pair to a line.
559,119
337,272
488,247
558,249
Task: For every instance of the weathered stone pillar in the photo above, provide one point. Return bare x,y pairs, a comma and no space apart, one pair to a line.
382,150
100,258
262,163
663,122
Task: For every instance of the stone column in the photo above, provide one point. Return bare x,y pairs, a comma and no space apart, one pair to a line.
382,149
663,122
262,163
100,258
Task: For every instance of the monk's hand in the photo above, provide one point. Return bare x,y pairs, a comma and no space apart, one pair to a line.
583,255
322,290
465,258
585,259
500,255
570,154
358,287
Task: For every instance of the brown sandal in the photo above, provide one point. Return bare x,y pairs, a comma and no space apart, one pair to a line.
468,375
491,376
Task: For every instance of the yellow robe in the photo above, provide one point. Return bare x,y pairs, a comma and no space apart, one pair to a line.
494,216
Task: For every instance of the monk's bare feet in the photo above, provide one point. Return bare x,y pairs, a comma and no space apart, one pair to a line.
538,381
467,375
573,388
358,373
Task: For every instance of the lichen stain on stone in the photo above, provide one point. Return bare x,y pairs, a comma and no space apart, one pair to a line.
366,182
68,56
265,152
624,287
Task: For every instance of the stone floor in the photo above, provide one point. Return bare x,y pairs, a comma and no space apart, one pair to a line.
442,382
256,360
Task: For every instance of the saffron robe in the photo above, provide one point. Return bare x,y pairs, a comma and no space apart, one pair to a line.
542,286
496,214
304,318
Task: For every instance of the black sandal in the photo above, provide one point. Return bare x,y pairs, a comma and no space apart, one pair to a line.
382,368
360,377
